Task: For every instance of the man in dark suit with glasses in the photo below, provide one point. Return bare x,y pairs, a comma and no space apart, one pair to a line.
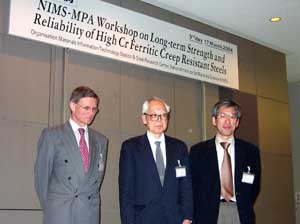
225,172
154,174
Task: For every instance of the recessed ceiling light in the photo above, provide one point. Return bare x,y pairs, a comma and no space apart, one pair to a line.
275,19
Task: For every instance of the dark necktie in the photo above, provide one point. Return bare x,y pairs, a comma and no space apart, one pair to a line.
83,150
160,162
226,174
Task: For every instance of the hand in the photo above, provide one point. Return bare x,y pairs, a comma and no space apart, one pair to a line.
186,221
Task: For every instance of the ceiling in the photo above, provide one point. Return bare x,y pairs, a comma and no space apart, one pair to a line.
249,19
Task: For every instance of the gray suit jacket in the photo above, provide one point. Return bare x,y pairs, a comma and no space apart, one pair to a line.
68,195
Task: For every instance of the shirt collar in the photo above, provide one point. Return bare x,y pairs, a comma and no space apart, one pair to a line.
75,126
230,140
151,137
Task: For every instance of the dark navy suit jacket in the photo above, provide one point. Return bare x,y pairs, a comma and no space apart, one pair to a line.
143,200
206,181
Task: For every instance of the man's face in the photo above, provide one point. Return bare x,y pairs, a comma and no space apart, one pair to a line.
226,122
84,111
156,118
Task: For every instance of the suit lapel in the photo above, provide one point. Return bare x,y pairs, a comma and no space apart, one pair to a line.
92,154
239,161
72,149
213,161
169,159
147,156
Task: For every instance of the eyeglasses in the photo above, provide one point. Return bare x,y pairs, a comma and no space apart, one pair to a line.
158,117
228,115
87,108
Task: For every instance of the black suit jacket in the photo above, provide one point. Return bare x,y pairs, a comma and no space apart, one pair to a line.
143,200
206,181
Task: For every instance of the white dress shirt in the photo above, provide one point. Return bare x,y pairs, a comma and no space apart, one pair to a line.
220,154
75,128
152,141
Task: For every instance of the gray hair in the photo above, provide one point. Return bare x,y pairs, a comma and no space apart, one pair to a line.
226,103
146,104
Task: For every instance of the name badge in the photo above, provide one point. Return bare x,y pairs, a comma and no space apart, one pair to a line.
248,178
180,170
101,163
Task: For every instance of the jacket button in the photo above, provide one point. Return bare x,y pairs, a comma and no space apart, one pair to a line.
89,197
69,178
66,161
76,196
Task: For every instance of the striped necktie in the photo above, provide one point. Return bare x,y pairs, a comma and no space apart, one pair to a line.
83,150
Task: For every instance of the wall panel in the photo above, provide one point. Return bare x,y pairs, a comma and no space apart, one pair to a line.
187,110
275,203
210,97
294,107
133,78
26,217
24,97
270,69
4,9
101,74
274,126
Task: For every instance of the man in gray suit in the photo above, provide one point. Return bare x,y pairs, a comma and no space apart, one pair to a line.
70,165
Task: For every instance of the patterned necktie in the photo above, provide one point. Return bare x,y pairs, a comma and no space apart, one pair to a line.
226,174
160,162
83,150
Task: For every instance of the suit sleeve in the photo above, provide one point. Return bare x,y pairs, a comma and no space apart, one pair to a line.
186,192
126,185
43,166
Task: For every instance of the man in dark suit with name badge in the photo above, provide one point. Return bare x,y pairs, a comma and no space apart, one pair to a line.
70,165
154,175
225,172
